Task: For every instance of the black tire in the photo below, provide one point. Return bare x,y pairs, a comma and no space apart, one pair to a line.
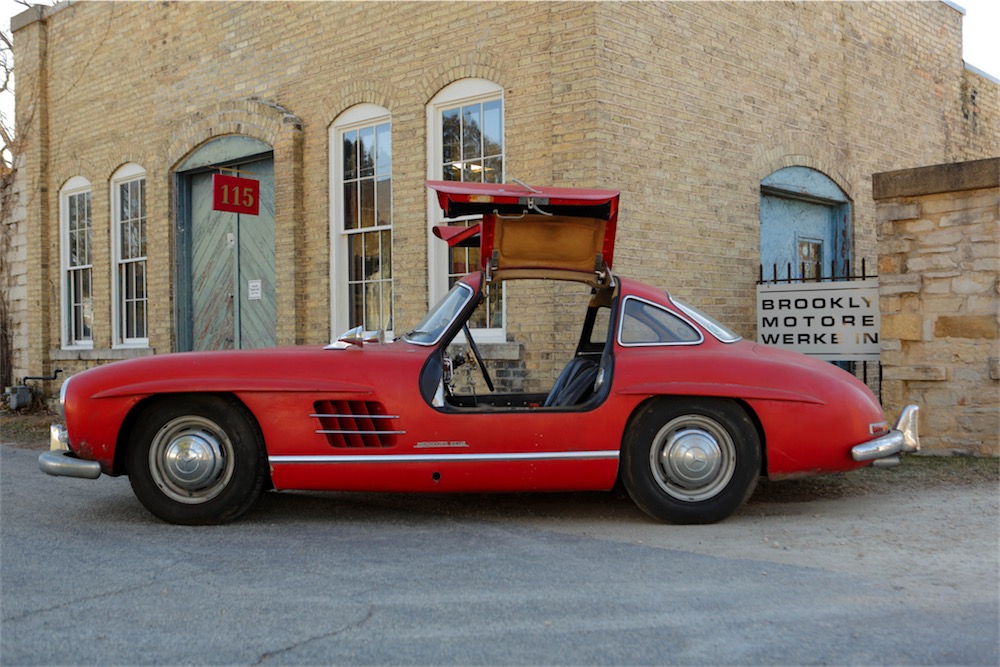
690,460
196,459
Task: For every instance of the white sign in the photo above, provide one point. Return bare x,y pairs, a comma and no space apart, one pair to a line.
835,321
253,290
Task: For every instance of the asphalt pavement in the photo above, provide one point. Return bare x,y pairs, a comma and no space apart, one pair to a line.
88,577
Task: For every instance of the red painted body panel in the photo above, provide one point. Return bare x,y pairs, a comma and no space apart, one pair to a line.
810,413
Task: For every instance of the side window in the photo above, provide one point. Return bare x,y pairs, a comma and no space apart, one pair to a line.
76,231
361,229
128,215
644,323
465,143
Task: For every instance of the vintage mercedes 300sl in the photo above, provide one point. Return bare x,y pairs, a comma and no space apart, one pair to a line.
659,395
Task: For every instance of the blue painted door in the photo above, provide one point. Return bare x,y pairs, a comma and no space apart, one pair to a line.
805,226
232,269
795,235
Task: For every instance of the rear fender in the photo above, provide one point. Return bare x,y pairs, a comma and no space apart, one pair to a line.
646,404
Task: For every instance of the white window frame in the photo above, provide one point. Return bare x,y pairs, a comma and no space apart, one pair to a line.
359,116
78,185
461,92
126,174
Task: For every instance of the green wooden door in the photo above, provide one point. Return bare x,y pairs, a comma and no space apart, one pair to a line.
225,267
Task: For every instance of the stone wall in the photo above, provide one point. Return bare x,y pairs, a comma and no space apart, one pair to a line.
939,256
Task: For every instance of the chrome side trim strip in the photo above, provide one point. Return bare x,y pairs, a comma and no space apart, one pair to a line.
356,416
325,431
610,454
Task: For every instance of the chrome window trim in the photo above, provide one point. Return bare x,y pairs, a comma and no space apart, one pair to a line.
683,318
708,326
444,330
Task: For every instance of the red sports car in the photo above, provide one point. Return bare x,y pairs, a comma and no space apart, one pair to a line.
658,394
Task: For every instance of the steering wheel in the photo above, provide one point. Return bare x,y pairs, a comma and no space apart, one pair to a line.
475,352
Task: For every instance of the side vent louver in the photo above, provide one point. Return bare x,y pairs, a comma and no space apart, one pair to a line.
356,424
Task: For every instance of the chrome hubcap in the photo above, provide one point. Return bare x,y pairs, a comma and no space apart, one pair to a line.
191,459
692,458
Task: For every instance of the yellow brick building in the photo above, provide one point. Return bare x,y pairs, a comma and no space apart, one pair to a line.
342,110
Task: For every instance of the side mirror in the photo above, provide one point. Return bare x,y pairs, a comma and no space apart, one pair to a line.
357,336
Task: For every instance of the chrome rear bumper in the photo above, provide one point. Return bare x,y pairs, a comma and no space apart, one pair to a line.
884,450
61,462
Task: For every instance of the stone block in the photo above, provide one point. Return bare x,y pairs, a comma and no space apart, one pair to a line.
915,373
984,327
893,212
903,326
899,284
974,283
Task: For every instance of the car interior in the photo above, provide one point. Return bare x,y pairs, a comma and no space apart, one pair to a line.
582,384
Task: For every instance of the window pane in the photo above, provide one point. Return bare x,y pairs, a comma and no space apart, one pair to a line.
645,324
366,152
140,319
367,203
350,205
494,304
471,132
383,143
357,253
350,154
87,304
451,136
372,306
127,282
74,258
452,172
357,309
493,127
383,201
124,202
386,243
387,292
493,170
372,255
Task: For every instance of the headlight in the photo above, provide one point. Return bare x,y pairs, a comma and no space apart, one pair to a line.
62,398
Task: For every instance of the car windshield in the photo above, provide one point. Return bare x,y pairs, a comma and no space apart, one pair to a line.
437,320
713,326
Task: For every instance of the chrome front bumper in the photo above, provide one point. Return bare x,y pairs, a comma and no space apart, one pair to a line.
61,462
884,450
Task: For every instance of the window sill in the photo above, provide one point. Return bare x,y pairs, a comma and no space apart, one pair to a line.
105,354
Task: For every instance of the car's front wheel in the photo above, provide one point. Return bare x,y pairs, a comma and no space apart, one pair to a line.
690,460
196,459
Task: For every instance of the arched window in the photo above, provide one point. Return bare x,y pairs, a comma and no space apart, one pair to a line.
76,232
465,142
361,279
128,246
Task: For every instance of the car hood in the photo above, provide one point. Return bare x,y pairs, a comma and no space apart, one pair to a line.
293,369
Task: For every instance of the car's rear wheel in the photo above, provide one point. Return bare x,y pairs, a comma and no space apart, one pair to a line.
196,459
690,460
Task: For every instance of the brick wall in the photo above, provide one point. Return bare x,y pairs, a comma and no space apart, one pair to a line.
939,256
684,106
